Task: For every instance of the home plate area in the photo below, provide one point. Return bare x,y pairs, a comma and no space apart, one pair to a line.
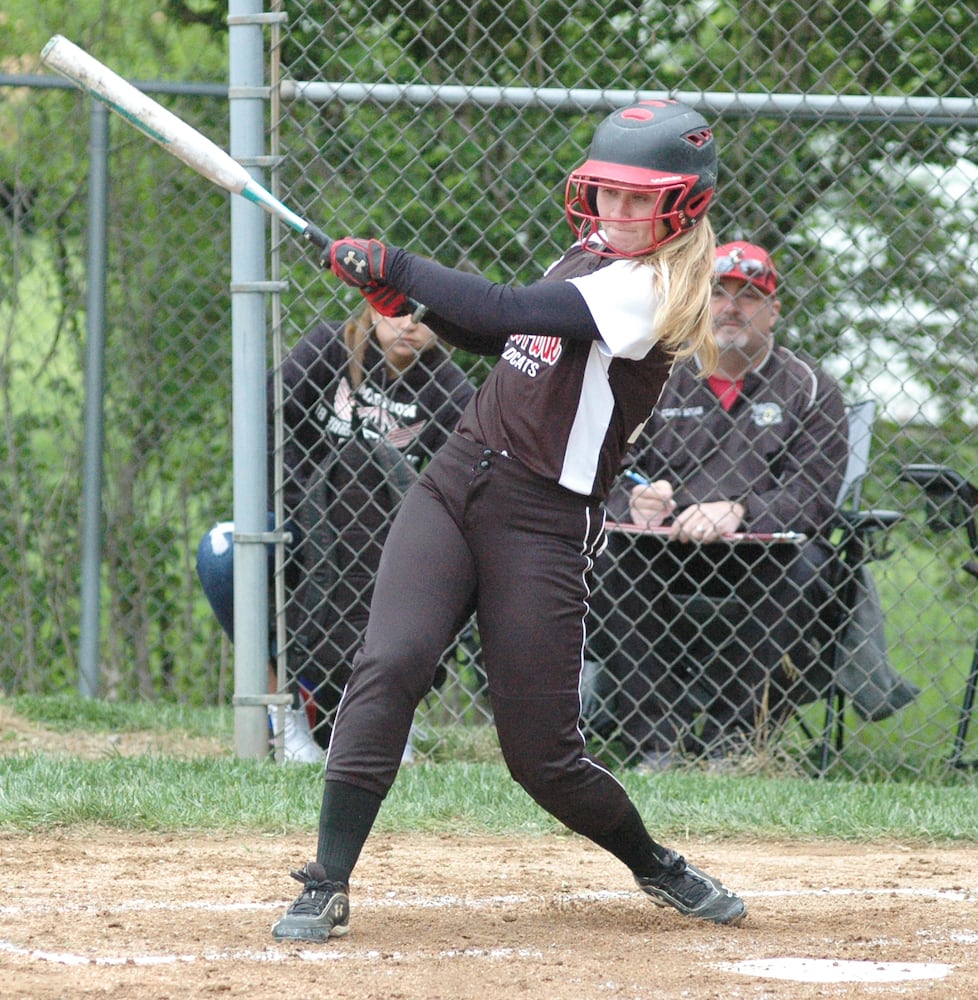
830,970
551,917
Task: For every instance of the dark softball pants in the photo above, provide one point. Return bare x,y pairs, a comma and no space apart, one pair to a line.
480,532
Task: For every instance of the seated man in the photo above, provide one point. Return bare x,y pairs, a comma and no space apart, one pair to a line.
759,446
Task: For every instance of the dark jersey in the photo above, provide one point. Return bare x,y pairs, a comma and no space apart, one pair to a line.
579,372
349,455
414,413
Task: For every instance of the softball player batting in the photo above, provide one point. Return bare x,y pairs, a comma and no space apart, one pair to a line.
508,516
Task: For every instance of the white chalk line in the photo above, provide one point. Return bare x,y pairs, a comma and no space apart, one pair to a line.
394,901
797,969
267,956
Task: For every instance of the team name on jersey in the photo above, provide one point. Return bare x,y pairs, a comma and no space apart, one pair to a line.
374,397
379,416
334,425
527,353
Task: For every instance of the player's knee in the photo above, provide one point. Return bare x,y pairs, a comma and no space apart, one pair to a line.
408,667
540,770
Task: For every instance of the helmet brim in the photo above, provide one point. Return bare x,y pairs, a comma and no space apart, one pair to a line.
601,172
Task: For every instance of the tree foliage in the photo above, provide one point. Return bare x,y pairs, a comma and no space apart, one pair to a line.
872,220
167,308
483,185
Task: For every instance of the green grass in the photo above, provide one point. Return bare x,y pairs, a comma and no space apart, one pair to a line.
41,791
69,712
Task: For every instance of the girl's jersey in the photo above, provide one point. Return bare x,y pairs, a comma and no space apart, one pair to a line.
568,409
322,412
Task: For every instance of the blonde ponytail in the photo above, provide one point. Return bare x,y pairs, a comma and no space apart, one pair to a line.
356,333
684,284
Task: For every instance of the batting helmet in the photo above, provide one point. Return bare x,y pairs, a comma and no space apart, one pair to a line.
654,146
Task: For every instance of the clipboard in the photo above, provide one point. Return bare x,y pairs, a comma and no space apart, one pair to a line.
757,537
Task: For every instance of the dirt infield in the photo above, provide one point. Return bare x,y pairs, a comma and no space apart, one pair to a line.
102,913
109,914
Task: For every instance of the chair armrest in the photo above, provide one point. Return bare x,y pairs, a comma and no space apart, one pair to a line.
871,520
864,537
950,498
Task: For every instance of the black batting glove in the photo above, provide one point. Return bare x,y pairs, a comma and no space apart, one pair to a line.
358,262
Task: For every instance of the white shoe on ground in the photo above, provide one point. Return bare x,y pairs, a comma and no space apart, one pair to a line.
300,745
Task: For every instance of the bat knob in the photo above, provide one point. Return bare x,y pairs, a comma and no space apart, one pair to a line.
318,238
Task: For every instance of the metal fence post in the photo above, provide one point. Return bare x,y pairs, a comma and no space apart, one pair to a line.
247,102
91,560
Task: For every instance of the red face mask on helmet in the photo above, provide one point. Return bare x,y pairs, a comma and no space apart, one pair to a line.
662,148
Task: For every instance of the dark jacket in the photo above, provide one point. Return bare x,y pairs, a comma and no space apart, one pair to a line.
349,456
321,413
780,450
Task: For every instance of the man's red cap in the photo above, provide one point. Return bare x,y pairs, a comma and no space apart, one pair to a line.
747,262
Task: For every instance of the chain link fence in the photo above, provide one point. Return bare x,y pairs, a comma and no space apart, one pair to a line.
847,149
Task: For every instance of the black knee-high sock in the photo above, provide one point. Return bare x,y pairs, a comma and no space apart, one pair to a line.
345,819
630,842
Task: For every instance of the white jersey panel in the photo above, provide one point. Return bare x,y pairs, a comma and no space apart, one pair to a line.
622,301
594,411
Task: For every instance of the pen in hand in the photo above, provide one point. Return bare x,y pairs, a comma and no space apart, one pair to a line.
780,536
652,504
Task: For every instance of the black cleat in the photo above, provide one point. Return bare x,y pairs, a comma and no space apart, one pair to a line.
322,910
692,892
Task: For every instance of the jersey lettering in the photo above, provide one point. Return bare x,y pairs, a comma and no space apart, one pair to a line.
671,412
377,416
375,397
547,349
515,357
